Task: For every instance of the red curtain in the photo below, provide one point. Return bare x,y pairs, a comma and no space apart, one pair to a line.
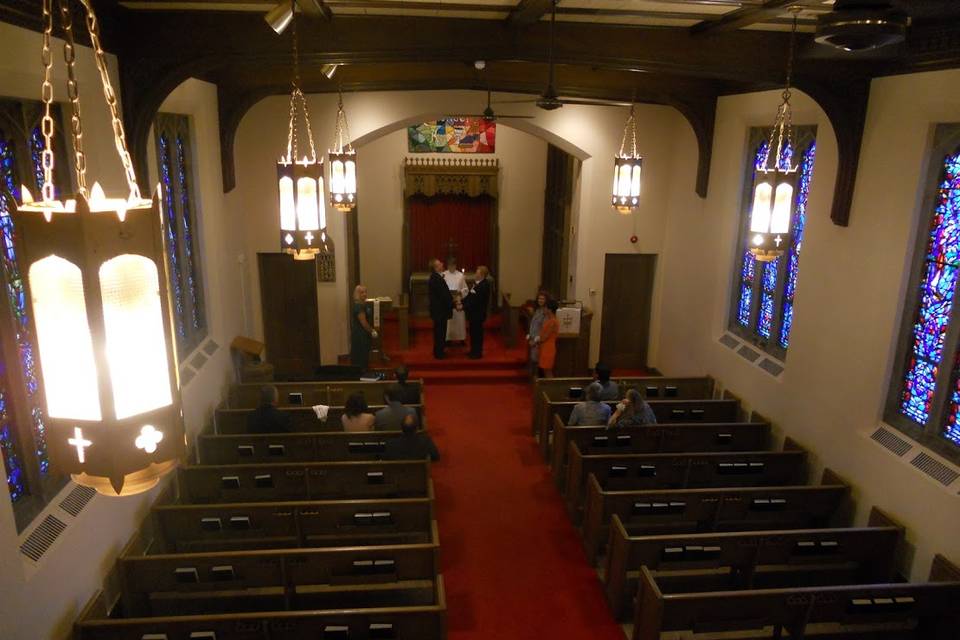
438,222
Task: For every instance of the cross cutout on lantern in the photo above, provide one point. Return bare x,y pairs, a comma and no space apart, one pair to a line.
777,240
309,237
79,442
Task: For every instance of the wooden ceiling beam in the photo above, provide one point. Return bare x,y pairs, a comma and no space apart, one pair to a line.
741,17
315,8
528,12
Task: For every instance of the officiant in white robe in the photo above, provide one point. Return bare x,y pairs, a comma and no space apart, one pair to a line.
457,283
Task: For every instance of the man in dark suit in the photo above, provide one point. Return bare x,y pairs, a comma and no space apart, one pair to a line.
475,305
441,307
266,418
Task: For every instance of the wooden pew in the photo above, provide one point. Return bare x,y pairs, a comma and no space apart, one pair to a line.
196,528
307,394
667,411
292,447
635,471
424,622
901,611
651,512
282,580
660,438
869,550
303,481
232,421
546,390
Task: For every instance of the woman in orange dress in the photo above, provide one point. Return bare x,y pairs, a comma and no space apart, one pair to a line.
548,338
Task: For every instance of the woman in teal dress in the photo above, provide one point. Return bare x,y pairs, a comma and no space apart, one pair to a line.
362,332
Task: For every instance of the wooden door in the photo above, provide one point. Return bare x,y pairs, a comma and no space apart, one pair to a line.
627,296
558,198
291,328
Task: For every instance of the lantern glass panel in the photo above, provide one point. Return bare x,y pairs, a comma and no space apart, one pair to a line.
288,205
635,187
337,178
760,214
63,335
350,180
135,344
308,216
780,222
623,189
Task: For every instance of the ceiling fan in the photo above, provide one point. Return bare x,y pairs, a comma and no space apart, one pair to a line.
549,100
488,113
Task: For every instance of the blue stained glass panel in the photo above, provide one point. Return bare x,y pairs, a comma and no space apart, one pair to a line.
743,311
770,272
16,483
937,290
749,267
8,166
186,213
796,242
173,236
17,296
765,316
37,145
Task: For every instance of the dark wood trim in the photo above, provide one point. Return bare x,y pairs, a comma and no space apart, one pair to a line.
528,12
741,17
316,9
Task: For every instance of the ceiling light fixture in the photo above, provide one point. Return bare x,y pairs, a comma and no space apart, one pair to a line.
280,16
96,275
303,217
329,70
343,164
776,180
627,166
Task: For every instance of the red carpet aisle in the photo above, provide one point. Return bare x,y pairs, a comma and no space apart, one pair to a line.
513,564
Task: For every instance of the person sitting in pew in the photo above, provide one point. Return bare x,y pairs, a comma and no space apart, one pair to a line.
591,412
392,416
410,392
356,415
632,411
611,390
266,418
412,445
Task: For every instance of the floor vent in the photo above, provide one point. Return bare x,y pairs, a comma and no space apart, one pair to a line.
891,441
42,538
77,499
935,469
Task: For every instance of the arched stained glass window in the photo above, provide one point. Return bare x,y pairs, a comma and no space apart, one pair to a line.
180,216
924,399
762,308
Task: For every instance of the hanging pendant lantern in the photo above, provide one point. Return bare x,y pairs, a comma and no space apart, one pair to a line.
343,165
97,279
303,216
776,179
627,167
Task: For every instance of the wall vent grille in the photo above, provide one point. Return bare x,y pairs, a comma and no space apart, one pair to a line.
729,341
891,441
42,538
935,469
211,347
77,499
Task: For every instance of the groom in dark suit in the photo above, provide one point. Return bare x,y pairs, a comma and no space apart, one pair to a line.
441,307
475,305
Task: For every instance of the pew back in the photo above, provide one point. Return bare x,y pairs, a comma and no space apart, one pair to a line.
292,447
307,394
303,419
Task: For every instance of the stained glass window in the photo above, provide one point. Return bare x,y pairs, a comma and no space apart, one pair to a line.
925,393
762,309
180,216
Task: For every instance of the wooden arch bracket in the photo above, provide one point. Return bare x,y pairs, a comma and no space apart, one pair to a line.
844,100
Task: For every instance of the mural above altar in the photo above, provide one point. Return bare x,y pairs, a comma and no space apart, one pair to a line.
453,134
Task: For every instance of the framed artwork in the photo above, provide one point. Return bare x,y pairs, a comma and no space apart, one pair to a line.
453,135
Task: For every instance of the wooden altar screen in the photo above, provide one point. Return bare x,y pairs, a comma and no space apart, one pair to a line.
430,177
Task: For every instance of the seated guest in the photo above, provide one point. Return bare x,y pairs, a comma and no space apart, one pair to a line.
590,412
392,416
412,445
266,418
411,392
356,415
601,373
633,411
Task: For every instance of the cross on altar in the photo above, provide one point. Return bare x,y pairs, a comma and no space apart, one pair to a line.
309,237
79,442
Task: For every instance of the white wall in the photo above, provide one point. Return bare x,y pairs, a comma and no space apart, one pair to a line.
44,603
590,133
852,282
523,161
